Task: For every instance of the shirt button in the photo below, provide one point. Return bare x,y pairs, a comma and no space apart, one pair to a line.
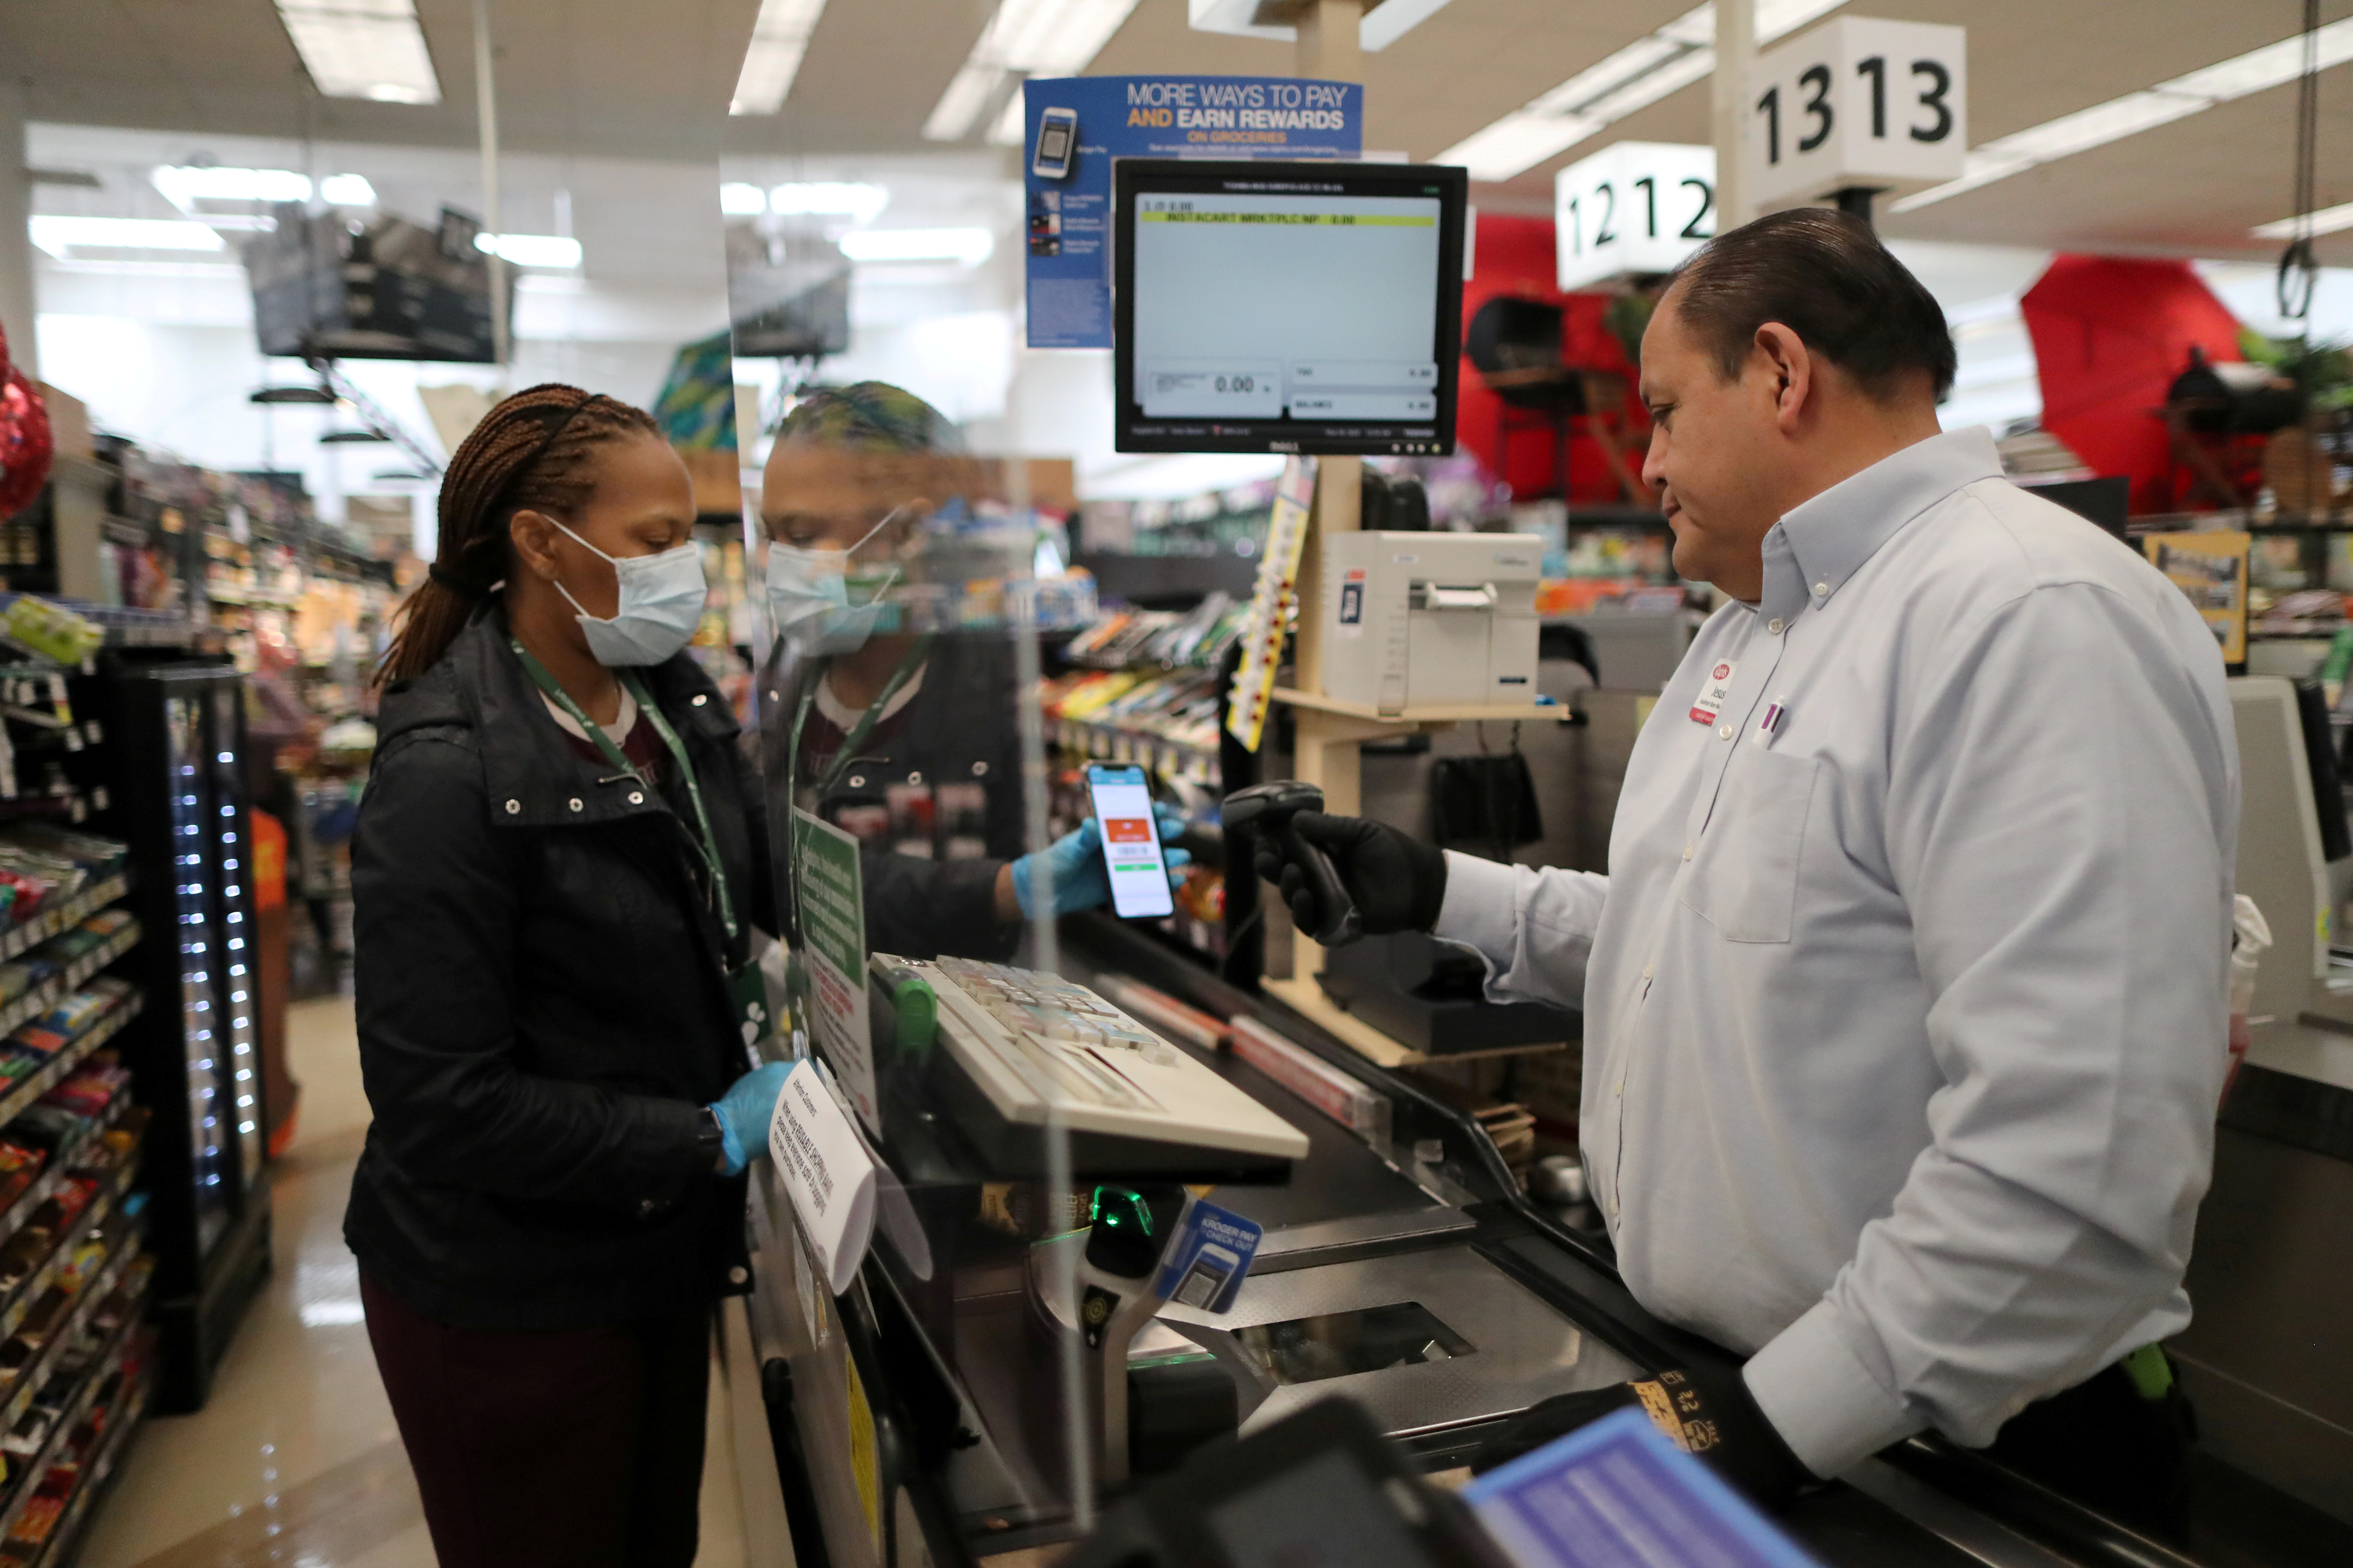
858,780
514,807
1725,732
1646,970
1773,627
1618,1089
575,803
1820,589
738,1275
700,698
1687,855
980,770
914,775
637,797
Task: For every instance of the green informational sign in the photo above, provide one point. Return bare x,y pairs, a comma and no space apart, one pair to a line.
829,894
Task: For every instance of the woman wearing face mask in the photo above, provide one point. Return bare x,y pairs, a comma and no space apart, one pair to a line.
559,865
908,742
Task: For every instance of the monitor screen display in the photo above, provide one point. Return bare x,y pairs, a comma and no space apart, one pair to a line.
1296,307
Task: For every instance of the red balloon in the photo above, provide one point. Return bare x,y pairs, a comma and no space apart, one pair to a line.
27,446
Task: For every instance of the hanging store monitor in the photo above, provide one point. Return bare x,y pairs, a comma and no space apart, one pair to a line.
1287,307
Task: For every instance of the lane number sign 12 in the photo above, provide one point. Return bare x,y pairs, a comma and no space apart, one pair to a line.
1635,207
1857,101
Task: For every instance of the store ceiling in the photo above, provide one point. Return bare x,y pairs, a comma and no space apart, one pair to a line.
622,78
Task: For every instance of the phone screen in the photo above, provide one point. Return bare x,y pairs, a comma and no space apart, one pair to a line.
1131,842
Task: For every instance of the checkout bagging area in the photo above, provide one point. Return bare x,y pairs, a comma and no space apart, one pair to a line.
1113,1218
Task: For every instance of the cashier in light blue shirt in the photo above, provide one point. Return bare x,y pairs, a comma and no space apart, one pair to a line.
1904,993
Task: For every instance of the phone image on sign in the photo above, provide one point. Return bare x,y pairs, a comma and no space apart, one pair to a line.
1131,841
1212,1266
1058,138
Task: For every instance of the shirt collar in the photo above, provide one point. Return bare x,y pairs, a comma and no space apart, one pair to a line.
1821,543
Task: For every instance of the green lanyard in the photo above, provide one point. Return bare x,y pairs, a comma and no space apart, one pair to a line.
709,848
858,732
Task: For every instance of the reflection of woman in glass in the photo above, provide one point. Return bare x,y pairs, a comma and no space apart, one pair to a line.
908,742
555,876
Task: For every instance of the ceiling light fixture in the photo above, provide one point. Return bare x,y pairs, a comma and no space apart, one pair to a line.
852,199
1024,38
1384,21
281,394
363,49
548,250
353,437
2327,220
185,187
779,39
347,191
737,199
969,246
55,233
2273,65
1635,77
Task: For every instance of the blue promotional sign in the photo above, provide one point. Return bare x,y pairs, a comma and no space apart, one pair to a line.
1207,1257
1072,127
1620,1491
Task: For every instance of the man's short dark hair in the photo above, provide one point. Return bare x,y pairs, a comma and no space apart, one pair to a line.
1826,277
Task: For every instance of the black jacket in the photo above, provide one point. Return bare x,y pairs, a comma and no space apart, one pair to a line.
543,1003
959,729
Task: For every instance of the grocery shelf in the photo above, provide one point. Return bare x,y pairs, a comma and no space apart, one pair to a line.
132,1409
69,1055
12,1315
16,938
52,1180
77,1409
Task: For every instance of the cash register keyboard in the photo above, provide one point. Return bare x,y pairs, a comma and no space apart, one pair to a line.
1049,1051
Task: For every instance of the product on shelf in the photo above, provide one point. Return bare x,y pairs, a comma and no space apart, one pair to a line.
51,630
20,1167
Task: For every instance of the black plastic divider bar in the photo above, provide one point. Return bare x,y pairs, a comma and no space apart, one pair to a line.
94,1292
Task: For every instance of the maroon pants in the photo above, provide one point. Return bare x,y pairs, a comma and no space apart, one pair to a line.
581,1449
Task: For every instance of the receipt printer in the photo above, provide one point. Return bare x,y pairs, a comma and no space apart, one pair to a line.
1412,620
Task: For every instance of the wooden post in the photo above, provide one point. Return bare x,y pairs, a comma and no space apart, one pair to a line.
1325,752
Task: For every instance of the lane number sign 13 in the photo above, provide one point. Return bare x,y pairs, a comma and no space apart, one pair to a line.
1857,101
1636,206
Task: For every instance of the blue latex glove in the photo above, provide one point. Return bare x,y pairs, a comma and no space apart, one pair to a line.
1075,863
744,1111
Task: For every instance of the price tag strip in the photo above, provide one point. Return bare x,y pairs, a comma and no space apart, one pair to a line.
1271,600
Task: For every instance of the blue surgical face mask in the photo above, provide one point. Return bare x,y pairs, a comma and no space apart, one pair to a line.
661,604
807,586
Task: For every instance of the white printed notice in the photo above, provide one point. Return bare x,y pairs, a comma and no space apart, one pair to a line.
830,897
827,1170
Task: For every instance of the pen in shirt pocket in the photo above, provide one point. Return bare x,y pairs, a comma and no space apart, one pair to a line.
1770,725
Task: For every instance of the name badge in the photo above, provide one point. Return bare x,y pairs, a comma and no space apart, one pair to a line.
1713,692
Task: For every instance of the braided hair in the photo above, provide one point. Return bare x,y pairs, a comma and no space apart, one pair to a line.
536,451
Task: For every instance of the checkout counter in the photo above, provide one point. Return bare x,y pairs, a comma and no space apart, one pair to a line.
921,1417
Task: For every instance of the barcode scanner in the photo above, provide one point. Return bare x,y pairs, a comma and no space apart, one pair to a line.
1270,808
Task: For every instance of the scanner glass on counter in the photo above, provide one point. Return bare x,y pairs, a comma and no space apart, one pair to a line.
1309,1350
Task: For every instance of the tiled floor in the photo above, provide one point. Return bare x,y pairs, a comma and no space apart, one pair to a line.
295,1462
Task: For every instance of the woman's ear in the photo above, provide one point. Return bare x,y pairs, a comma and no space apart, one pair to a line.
532,535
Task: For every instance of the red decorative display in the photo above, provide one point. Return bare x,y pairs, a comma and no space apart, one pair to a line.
27,446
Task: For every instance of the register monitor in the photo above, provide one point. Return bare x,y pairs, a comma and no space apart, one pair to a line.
1287,307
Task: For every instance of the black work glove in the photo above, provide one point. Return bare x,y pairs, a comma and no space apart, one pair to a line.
1708,1414
1397,883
